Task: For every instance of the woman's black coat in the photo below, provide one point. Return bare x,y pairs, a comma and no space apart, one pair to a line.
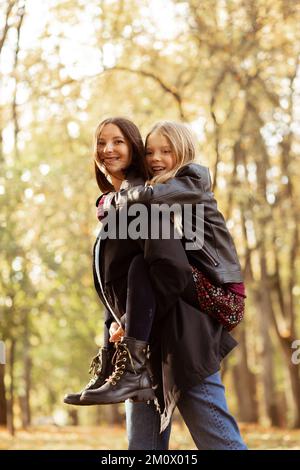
186,345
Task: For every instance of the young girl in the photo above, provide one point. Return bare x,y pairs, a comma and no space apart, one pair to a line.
221,294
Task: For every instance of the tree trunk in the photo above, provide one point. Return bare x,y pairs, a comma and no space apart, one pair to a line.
264,303
244,383
25,400
287,336
295,382
73,417
293,371
3,404
10,407
115,416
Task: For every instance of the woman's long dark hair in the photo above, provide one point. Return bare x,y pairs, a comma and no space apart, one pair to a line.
135,142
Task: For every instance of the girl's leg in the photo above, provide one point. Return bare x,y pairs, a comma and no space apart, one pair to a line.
130,377
107,322
143,426
140,306
205,412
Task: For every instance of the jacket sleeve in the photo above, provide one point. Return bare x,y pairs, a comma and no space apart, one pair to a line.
187,187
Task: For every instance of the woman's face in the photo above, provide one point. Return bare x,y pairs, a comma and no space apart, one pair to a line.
113,151
159,155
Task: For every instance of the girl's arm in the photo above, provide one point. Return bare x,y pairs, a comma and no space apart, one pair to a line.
187,187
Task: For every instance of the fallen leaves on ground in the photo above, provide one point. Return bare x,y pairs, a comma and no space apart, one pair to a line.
107,437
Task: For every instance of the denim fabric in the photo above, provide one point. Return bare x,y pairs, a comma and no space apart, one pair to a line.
205,412
143,425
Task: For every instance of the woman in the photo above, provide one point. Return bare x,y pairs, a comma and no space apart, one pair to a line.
119,152
185,348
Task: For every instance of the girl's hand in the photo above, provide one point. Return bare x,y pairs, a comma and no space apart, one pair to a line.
100,209
116,332
104,205
113,327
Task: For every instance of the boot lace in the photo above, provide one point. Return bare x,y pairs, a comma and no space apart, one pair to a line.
120,357
95,369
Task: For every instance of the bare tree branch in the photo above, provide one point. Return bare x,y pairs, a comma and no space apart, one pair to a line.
21,13
171,90
10,6
214,93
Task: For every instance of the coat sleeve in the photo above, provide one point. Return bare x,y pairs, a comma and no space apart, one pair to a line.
187,187
169,270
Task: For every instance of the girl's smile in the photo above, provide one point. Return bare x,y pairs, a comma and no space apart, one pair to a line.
160,157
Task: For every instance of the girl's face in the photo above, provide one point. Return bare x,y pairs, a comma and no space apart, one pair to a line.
113,151
159,155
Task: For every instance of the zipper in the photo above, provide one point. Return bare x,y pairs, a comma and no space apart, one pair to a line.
210,257
97,252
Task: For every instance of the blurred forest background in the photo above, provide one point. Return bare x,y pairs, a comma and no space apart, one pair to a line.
230,69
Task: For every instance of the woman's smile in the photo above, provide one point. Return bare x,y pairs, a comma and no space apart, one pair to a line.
113,151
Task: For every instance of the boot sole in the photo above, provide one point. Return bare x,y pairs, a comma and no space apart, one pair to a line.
140,396
77,403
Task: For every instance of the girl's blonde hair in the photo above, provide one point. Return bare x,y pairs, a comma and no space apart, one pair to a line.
183,146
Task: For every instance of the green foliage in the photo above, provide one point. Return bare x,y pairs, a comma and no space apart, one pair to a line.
231,69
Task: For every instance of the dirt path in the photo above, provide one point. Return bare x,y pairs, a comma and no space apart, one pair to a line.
114,437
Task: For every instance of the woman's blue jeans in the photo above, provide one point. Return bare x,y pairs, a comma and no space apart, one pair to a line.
205,412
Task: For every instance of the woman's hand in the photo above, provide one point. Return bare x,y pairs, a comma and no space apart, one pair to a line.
116,332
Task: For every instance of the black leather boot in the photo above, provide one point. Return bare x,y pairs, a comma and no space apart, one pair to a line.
101,367
130,377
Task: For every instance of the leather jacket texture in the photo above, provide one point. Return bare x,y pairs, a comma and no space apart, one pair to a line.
192,185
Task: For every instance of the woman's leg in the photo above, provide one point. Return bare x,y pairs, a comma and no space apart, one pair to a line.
205,412
143,426
140,306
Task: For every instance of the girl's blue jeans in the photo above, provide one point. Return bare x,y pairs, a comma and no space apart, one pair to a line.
205,412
